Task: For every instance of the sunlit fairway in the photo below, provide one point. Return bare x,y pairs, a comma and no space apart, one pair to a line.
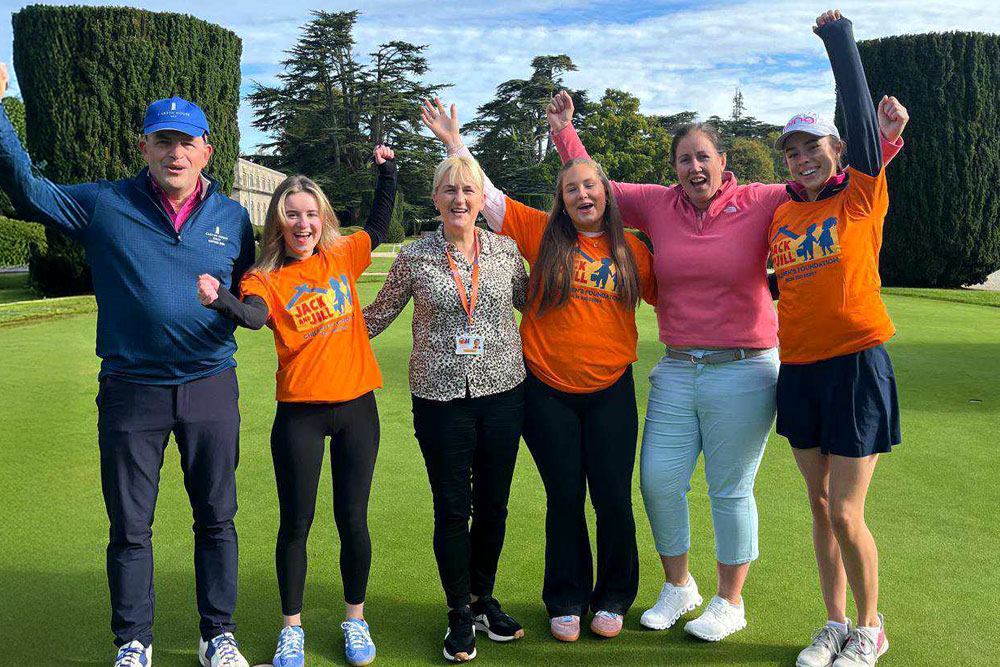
932,508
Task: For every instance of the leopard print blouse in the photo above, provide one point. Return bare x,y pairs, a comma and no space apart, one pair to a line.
422,271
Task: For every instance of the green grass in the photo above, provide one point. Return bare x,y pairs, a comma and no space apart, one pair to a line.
41,309
14,287
975,297
932,508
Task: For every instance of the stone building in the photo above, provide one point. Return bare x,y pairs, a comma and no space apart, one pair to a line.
253,187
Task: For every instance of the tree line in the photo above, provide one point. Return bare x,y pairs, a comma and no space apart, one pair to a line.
331,105
87,74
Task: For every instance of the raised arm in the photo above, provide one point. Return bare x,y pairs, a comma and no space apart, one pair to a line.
67,208
892,118
392,298
380,215
864,149
559,113
446,128
634,201
250,312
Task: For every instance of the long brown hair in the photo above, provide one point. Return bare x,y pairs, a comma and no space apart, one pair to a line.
551,277
272,242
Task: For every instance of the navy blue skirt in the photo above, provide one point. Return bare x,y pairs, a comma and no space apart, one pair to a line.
846,406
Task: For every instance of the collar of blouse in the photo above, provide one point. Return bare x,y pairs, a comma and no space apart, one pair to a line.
486,242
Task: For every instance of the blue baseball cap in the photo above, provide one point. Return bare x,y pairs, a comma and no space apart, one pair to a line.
175,113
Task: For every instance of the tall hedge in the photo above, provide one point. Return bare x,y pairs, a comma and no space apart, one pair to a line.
87,75
397,232
14,108
16,239
943,226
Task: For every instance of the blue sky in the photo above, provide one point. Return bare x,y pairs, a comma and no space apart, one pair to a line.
674,55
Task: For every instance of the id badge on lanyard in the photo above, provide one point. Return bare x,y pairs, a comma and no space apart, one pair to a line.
466,342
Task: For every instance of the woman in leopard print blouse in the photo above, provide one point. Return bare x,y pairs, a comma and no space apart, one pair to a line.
466,378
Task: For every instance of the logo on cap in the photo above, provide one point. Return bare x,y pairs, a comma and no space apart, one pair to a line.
175,113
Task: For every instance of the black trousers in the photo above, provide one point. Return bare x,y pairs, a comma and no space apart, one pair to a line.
580,441
134,423
298,439
470,448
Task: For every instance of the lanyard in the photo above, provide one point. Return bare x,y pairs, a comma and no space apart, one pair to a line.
468,303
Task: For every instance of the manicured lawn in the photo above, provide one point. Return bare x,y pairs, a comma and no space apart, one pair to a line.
932,508
14,287
977,297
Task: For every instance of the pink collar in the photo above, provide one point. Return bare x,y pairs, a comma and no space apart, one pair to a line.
800,191
729,184
179,216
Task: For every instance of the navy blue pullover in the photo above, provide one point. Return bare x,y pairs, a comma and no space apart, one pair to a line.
150,327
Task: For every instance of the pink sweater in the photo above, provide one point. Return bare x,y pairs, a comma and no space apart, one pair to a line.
710,266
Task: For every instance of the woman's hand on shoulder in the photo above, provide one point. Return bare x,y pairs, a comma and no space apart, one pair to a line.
828,16
383,154
208,289
444,126
559,112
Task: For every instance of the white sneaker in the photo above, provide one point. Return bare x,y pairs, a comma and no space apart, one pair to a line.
719,620
222,651
134,654
864,646
826,645
674,602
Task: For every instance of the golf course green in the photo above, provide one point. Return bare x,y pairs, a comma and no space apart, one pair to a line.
932,507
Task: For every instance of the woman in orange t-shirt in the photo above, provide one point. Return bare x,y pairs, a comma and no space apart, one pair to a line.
579,338
836,394
303,287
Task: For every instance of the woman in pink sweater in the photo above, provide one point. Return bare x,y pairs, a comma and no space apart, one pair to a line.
714,389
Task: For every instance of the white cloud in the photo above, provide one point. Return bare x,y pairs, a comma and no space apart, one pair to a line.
672,57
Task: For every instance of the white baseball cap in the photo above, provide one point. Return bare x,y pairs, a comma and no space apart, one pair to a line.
810,123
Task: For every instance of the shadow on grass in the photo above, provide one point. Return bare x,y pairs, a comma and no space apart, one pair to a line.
75,611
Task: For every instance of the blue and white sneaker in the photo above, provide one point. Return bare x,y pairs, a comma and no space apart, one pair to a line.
222,651
290,651
134,654
358,646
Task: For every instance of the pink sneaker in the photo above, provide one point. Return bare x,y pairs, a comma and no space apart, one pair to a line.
864,646
607,624
565,628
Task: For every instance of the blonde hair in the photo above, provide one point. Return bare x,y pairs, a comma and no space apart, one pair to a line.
272,242
449,169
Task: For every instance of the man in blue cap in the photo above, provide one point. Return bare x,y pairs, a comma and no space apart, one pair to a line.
166,362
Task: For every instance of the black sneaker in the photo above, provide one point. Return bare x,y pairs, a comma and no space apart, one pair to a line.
460,640
492,620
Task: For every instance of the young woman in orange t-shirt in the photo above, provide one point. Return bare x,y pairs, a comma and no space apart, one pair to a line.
579,337
836,393
303,287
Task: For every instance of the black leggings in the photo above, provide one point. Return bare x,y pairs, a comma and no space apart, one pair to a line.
580,441
298,438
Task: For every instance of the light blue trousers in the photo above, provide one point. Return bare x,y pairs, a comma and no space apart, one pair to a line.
726,411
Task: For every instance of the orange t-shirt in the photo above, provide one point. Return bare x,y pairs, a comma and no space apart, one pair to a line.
587,343
825,254
323,351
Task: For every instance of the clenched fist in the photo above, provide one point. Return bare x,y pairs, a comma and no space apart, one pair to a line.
559,112
892,117
383,153
208,289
